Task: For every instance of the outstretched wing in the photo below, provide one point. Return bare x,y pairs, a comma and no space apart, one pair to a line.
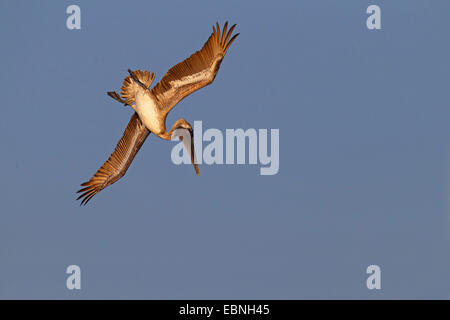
117,165
196,71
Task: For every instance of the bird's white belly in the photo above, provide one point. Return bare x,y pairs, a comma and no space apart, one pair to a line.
149,113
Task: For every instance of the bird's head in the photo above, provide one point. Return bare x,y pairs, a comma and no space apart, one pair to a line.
189,141
182,124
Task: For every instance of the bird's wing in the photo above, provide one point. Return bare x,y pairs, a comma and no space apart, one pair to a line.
196,71
119,161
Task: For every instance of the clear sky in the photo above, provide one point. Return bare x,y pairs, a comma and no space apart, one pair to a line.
364,152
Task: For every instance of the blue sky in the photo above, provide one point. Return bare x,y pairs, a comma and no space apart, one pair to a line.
364,137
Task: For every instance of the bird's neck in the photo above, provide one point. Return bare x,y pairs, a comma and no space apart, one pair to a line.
166,135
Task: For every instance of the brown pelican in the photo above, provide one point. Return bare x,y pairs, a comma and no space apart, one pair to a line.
151,106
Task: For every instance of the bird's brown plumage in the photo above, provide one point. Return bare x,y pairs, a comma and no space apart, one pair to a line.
196,71
181,80
129,87
119,161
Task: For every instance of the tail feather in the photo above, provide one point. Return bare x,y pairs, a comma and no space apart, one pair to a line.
116,97
130,87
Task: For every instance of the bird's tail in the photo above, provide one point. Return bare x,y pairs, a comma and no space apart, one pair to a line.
130,87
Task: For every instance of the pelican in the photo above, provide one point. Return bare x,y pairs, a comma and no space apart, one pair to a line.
151,107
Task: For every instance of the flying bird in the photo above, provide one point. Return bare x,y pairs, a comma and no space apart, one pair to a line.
151,107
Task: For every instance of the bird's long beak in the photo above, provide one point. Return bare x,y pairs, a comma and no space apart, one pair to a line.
190,148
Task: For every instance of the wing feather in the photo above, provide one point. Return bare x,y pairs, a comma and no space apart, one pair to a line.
117,165
195,72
